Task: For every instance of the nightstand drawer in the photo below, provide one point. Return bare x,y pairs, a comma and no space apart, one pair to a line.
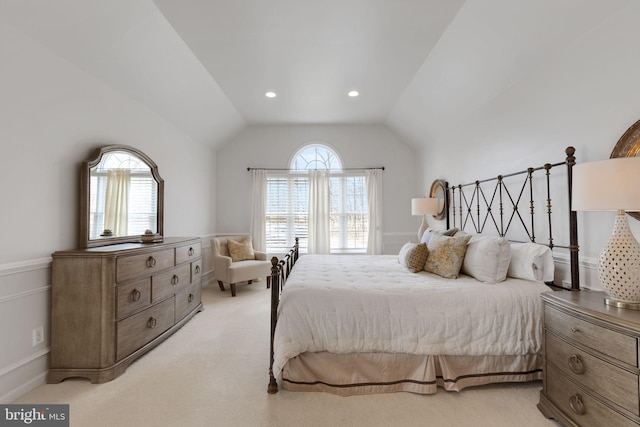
608,381
606,341
579,406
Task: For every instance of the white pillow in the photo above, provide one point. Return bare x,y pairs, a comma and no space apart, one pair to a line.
487,258
531,261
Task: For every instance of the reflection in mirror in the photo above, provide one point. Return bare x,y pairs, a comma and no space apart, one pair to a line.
122,196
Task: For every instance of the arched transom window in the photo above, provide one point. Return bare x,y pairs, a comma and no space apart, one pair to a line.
315,156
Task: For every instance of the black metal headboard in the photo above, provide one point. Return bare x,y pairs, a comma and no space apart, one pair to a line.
473,206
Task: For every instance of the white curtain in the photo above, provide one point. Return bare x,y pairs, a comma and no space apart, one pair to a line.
116,214
258,210
319,214
374,200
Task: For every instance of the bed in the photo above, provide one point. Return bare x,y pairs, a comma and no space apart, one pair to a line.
361,324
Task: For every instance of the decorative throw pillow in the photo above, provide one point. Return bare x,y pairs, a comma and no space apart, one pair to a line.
487,258
240,251
446,255
413,256
427,234
531,261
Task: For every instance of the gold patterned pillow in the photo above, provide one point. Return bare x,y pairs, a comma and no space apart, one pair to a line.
446,255
240,251
413,256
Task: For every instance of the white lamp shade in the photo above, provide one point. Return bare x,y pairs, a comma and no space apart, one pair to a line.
607,185
424,206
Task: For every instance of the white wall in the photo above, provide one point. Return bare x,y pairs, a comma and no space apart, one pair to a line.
52,116
357,145
586,96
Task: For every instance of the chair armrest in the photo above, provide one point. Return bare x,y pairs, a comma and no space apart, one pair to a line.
221,262
261,256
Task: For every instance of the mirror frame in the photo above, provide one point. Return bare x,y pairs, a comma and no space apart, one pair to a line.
629,146
85,186
435,186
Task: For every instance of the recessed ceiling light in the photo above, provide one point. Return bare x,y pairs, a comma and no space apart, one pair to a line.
270,94
353,93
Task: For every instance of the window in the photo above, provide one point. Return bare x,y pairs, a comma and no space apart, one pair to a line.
288,202
141,209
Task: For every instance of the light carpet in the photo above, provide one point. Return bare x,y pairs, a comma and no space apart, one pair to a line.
214,372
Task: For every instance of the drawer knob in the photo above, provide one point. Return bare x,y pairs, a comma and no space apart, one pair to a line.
575,330
175,279
135,295
152,322
190,297
575,364
197,269
191,251
151,262
576,404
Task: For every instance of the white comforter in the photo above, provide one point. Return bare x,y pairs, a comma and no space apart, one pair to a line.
349,303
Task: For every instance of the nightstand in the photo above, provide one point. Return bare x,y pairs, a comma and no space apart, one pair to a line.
590,361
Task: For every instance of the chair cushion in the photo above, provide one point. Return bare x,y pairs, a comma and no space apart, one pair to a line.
240,251
248,270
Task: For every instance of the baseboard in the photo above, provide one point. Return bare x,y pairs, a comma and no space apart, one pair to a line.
23,376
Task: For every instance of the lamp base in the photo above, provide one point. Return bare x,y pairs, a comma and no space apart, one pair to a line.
622,304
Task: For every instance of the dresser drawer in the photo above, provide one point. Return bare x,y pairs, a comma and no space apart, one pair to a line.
139,329
136,265
187,300
188,252
609,381
580,406
611,343
133,297
196,271
165,284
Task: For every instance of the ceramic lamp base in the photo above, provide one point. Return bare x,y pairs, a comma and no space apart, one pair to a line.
619,266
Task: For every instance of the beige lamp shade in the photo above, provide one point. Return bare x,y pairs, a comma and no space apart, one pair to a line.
607,185
424,206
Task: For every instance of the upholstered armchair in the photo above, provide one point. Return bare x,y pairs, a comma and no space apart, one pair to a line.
237,261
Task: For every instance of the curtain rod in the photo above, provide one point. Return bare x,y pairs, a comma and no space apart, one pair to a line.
330,170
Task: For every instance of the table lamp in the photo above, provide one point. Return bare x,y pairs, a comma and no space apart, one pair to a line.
424,206
613,185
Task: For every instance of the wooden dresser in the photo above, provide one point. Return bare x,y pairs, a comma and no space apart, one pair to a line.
112,304
591,361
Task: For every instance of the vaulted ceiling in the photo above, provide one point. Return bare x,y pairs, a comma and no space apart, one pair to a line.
205,65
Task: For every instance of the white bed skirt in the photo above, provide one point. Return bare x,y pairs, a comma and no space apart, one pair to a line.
370,373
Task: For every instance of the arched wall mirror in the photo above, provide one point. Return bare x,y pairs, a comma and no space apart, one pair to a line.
629,146
439,191
121,197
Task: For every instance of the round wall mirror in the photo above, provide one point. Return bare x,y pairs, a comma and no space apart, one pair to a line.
629,146
121,197
439,191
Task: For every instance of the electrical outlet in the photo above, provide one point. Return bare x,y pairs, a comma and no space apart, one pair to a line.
37,335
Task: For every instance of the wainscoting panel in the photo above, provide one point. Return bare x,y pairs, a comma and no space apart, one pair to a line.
25,300
392,242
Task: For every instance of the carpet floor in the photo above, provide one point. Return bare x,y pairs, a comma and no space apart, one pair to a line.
214,372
